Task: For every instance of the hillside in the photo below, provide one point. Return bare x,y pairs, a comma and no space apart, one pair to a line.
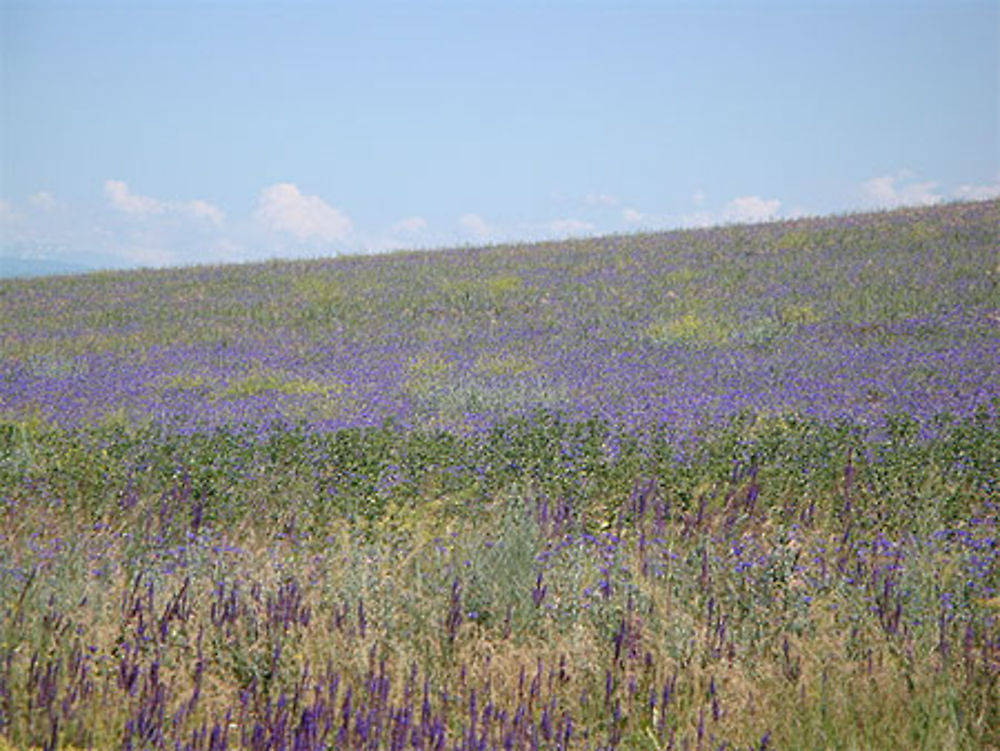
847,317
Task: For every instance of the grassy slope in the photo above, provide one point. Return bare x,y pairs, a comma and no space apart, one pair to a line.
854,317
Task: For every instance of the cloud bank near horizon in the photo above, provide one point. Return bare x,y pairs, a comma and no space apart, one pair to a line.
122,199
904,188
136,229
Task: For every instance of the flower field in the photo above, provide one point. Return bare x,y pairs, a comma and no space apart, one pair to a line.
734,488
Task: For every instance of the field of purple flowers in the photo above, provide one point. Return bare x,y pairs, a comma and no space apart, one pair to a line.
735,488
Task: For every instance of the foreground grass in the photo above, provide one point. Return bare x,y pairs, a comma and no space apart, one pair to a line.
781,584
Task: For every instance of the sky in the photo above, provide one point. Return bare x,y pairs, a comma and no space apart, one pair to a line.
170,133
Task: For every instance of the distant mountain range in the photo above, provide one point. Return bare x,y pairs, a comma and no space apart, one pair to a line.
29,267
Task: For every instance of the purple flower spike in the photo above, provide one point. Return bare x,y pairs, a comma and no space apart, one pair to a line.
538,593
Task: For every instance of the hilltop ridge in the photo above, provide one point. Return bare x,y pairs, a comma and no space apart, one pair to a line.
22,266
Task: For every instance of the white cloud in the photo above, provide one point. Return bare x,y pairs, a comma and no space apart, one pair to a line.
570,227
409,232
698,197
751,209
204,210
632,216
904,189
410,225
475,225
124,200
697,219
136,230
43,200
283,208
600,199
977,192
890,191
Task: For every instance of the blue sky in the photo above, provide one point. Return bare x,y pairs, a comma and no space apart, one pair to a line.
163,133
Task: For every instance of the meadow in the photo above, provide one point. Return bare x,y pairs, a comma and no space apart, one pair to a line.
731,488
